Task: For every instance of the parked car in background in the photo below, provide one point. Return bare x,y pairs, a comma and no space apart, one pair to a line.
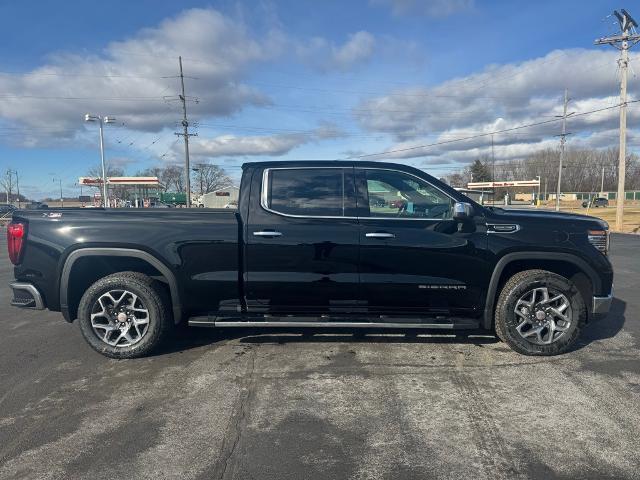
596,202
160,205
6,209
36,206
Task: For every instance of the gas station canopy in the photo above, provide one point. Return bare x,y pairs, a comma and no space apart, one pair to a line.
514,183
132,181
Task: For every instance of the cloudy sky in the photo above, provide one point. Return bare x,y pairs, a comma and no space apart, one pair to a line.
375,79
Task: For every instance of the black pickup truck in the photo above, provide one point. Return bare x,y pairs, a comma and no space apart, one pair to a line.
316,244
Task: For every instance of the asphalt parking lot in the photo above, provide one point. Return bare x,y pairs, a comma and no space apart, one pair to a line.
265,405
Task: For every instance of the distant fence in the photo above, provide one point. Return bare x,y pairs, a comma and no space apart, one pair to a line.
629,195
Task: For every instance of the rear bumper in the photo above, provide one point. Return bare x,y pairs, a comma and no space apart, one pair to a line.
601,305
25,295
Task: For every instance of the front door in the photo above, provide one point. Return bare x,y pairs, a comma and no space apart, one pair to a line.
302,242
414,257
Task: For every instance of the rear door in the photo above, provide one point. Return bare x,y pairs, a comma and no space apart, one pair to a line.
414,257
302,241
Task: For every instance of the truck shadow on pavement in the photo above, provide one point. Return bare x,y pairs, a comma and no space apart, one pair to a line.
189,338
603,328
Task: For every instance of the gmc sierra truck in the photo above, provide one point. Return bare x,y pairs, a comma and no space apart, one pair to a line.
316,244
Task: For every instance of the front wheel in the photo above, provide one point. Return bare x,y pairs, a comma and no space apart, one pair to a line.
539,313
124,315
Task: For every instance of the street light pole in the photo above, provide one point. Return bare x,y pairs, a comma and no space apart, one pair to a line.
105,198
101,121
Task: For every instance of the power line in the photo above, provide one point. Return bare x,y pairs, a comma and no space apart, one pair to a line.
79,75
42,97
480,135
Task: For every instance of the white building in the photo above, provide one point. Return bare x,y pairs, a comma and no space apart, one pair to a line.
222,198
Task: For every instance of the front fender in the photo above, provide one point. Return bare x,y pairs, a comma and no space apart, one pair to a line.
504,261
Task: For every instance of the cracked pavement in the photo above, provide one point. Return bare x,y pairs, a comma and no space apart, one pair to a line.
251,404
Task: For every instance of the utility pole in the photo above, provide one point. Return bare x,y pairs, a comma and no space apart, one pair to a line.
9,180
10,174
17,186
493,169
563,140
627,38
602,182
493,160
61,197
186,135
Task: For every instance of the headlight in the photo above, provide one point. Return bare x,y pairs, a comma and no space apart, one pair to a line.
599,239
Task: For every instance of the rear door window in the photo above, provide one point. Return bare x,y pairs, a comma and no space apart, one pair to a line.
310,192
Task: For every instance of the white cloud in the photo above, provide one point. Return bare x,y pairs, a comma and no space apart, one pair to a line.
135,79
232,145
264,145
499,97
428,8
320,53
357,49
142,69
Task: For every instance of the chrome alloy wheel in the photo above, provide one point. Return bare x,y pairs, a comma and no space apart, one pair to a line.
119,318
543,317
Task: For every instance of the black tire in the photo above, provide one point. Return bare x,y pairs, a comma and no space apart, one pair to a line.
154,300
506,319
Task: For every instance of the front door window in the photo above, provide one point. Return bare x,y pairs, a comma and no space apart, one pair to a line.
395,194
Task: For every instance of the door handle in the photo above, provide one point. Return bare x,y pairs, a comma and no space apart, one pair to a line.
267,233
379,235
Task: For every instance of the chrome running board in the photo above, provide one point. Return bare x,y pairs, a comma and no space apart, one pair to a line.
212,322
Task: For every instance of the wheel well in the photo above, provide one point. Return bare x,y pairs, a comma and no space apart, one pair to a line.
567,269
87,270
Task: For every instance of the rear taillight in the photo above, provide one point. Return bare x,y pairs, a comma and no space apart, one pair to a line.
16,233
599,239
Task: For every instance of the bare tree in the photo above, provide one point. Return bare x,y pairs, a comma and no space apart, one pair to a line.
210,178
173,178
96,171
118,191
582,169
456,180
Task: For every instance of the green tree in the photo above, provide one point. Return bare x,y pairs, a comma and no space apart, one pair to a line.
480,171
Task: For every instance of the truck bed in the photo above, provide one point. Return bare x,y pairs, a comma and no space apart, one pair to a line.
199,246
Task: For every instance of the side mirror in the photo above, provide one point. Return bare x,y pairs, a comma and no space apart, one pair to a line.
462,211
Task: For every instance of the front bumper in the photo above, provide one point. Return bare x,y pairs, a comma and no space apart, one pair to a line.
602,305
25,295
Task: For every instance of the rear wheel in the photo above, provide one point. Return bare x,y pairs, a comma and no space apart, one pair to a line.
539,313
124,315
